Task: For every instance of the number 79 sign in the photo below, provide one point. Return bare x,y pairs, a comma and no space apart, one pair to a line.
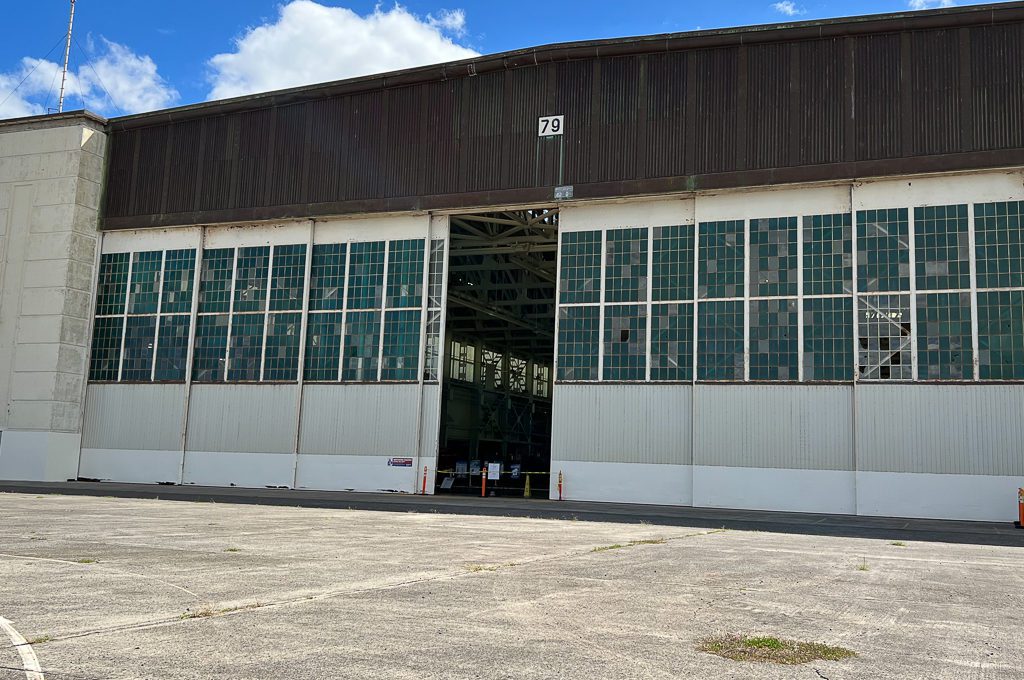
550,126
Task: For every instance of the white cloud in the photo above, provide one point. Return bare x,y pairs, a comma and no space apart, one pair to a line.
130,79
310,43
788,8
930,4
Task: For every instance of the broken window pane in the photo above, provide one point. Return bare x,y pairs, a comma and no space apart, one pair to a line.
580,279
106,348
672,342
883,250
721,260
883,332
773,257
625,269
625,342
672,263
942,247
828,339
999,236
323,347
774,341
944,337
282,354
327,276
405,273
288,278
720,340
828,255
1001,335
578,338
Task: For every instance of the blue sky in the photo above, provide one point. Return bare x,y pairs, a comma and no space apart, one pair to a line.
132,56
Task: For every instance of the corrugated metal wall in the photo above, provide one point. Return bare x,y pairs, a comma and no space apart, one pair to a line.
242,418
940,429
133,417
688,113
359,420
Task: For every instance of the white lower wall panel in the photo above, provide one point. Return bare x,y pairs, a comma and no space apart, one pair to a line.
122,465
788,490
936,496
361,473
39,456
253,470
650,483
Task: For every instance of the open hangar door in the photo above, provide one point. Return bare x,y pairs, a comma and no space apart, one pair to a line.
499,353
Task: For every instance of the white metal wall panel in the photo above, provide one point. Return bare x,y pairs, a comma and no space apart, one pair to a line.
133,417
947,429
620,423
774,426
359,420
242,418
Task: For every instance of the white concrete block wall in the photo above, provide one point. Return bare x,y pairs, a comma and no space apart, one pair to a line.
50,186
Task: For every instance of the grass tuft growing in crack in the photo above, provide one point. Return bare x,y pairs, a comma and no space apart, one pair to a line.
769,649
38,640
617,546
206,612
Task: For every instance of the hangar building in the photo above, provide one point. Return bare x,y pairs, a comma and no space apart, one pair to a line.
777,267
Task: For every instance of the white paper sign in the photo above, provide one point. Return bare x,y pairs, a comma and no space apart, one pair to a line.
550,126
494,471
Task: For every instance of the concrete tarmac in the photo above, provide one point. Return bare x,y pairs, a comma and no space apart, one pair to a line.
143,588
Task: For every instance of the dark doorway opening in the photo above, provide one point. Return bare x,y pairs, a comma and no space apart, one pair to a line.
499,353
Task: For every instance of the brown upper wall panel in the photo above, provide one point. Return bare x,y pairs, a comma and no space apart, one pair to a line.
812,101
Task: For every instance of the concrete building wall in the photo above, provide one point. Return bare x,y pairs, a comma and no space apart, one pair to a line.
50,186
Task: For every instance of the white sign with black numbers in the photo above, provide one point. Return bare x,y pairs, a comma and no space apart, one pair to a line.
550,126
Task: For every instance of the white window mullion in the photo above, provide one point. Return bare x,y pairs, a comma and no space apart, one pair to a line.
304,316
558,304
383,310
650,299
746,299
913,292
231,312
124,325
600,307
799,299
159,305
975,359
856,297
194,308
344,308
696,292
266,311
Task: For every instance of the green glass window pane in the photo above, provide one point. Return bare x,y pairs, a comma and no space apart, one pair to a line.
327,276
289,277
883,333
113,284
774,339
883,250
579,332
366,275
773,257
139,340
246,347
1001,335
999,244
401,345
435,277
172,348
625,265
942,248
323,347
828,339
179,279
144,292
405,273
720,260
106,348
281,361
672,263
580,278
944,337
720,340
625,342
211,348
362,342
432,348
215,280
672,342
828,255
251,276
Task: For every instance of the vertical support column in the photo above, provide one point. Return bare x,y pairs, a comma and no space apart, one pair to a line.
266,311
91,325
558,310
973,258
856,348
696,304
303,330
190,352
159,305
911,238
421,361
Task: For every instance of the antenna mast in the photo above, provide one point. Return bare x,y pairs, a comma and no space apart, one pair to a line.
67,53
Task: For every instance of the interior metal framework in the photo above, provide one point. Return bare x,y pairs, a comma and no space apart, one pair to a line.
501,335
